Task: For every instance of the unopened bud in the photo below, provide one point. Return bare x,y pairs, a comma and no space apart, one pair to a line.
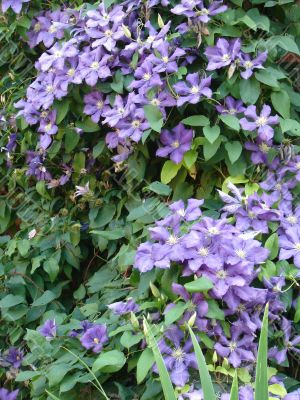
215,357
231,70
145,327
126,31
134,321
154,290
160,21
225,363
192,320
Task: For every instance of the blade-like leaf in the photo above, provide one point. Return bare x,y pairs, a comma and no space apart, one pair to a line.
162,370
234,393
261,381
51,395
206,382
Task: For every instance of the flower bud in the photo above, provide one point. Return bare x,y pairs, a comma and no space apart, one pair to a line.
160,21
215,357
134,321
192,320
231,70
154,290
126,31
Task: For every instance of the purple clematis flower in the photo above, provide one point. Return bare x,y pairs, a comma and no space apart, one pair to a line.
48,330
124,307
94,338
262,123
14,357
232,106
6,395
249,65
106,36
93,66
85,325
289,244
196,9
176,143
15,5
223,54
95,105
280,355
237,349
145,77
57,56
165,61
193,89
246,253
260,151
134,125
178,355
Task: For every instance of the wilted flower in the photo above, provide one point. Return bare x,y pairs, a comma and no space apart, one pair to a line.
82,190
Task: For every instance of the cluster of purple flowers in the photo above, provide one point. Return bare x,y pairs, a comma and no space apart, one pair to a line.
108,46
15,5
230,257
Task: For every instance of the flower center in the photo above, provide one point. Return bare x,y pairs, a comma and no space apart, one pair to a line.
96,340
232,346
147,76
44,114
71,72
155,102
232,111
221,274
58,54
248,64
278,186
226,57
48,127
165,59
178,354
37,27
203,251
298,165
213,230
172,240
204,11
150,39
181,212
241,253
108,33
292,219
49,88
261,121
135,123
195,90
264,148
297,246
95,65
241,308
99,105
175,144
52,29
121,111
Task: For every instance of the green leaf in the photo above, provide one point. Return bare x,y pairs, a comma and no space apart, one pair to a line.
231,121
27,375
98,149
52,395
199,285
57,372
62,108
288,43
214,311
110,361
282,103
52,268
79,162
129,339
154,117
189,159
290,125
165,379
169,171
160,188
23,247
11,300
211,133
71,140
266,78
144,365
110,235
196,120
88,125
206,382
249,90
210,149
147,208
46,298
272,245
261,381
278,390
234,150
234,393
175,313
103,216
